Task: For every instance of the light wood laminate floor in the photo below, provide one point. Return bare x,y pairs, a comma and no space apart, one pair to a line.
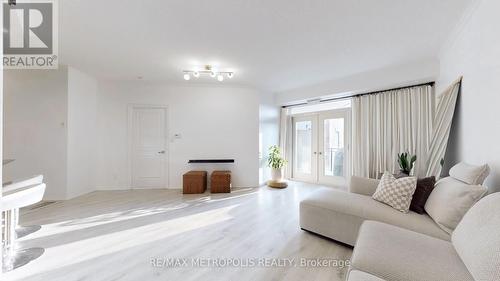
115,235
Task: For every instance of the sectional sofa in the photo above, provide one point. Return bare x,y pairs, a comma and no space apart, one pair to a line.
391,253
394,246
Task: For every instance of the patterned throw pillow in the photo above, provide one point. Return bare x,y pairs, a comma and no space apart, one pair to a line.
396,193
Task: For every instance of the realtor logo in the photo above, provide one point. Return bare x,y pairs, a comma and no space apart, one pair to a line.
30,35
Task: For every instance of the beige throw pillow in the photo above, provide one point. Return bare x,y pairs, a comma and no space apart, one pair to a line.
450,200
396,193
470,174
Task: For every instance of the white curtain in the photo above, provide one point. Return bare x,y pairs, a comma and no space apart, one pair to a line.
442,126
388,123
286,140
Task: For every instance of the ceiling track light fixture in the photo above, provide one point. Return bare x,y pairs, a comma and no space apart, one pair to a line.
208,70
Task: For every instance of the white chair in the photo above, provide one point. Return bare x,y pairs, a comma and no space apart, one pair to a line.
15,196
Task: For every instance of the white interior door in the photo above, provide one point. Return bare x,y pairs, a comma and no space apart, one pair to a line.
333,147
305,148
149,151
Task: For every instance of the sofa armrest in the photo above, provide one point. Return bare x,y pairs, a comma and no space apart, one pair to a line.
363,186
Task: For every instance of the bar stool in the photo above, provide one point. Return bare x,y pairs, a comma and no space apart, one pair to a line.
14,198
22,231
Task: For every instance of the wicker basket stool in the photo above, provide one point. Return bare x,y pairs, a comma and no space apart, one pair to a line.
220,182
194,182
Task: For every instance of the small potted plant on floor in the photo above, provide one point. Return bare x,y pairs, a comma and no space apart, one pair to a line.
276,162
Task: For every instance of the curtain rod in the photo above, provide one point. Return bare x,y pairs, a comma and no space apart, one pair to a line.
364,94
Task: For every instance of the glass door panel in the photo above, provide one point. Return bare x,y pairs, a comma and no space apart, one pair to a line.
304,155
333,147
333,152
303,135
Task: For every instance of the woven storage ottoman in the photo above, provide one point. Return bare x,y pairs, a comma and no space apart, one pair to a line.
220,182
194,182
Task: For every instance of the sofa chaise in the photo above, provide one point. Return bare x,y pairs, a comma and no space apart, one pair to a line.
338,214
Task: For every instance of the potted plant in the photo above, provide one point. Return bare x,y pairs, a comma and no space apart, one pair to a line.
406,162
276,162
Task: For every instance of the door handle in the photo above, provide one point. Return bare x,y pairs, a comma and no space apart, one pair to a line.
321,153
314,152
161,152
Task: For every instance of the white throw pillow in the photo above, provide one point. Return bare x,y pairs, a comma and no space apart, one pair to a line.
469,173
450,200
396,193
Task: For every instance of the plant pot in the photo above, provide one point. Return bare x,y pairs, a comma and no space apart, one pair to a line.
277,175
402,174
277,180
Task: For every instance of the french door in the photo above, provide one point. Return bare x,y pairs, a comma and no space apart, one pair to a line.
321,147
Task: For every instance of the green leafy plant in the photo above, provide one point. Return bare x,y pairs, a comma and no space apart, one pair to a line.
406,162
275,160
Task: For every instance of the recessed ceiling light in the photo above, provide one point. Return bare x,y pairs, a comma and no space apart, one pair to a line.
187,76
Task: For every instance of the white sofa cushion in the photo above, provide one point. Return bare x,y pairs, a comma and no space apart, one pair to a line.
363,186
339,214
477,238
450,200
396,193
396,254
470,174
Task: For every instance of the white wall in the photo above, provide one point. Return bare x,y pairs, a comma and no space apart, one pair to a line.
215,122
474,52
269,116
49,129
35,117
379,79
73,130
82,94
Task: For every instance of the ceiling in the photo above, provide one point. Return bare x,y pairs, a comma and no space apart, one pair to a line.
271,45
